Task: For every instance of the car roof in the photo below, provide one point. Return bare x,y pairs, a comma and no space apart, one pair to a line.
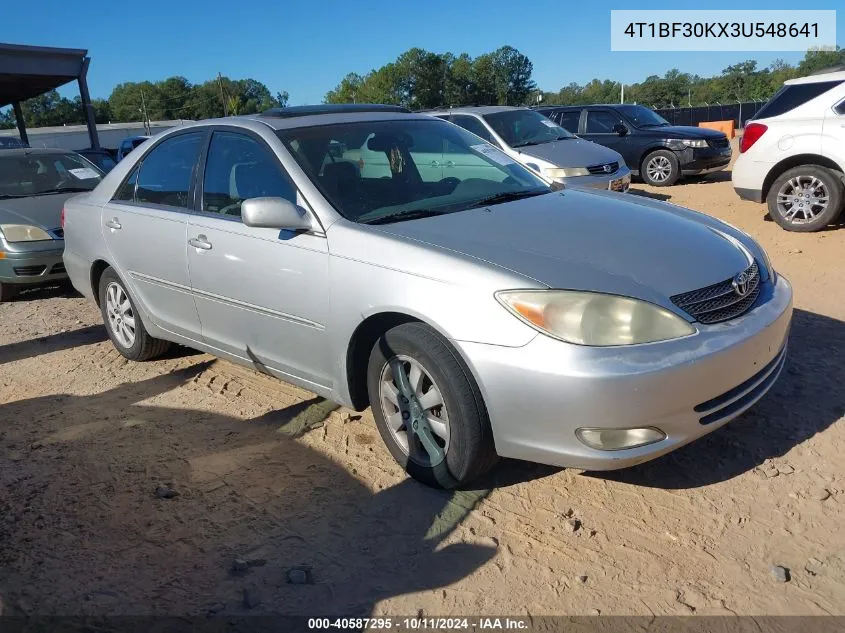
588,105
481,110
328,118
837,74
37,151
332,108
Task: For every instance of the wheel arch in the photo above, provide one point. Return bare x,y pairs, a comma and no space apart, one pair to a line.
97,269
796,161
648,151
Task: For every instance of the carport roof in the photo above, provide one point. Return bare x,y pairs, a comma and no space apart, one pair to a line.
29,71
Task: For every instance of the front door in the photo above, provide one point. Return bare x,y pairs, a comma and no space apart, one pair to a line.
600,129
145,230
261,294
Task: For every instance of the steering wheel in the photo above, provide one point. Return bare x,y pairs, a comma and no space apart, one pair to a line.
231,209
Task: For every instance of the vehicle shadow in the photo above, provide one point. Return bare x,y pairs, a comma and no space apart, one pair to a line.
118,506
807,398
61,290
663,197
708,179
52,343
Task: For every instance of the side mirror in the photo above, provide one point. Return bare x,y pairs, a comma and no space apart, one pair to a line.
620,128
275,213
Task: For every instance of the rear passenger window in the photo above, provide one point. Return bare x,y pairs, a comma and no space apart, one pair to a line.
569,120
790,97
239,168
166,173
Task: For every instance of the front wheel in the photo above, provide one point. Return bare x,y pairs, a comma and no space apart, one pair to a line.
123,322
661,168
428,408
806,198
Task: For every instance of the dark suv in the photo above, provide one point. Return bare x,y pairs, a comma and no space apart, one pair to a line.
658,152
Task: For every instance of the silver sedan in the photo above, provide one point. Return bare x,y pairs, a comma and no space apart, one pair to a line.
479,312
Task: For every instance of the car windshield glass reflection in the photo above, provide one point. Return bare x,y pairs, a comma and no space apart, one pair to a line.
520,128
388,171
38,174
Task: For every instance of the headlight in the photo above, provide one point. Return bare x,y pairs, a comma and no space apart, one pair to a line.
591,318
23,233
567,172
681,143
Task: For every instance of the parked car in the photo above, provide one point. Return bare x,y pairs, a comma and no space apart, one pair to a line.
658,152
102,158
34,183
793,153
481,314
128,144
541,145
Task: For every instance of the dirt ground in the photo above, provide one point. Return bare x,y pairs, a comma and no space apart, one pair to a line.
286,504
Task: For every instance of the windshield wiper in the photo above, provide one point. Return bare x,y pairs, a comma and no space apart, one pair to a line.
8,196
401,216
527,143
62,190
506,196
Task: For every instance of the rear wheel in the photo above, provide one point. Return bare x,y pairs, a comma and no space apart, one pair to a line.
427,407
806,198
661,168
123,322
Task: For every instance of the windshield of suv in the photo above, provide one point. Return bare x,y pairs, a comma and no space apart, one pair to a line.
24,175
376,172
642,116
520,128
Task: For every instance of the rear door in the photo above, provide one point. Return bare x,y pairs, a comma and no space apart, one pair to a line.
833,139
261,294
145,230
568,120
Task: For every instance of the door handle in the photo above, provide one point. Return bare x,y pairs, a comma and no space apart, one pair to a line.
450,163
434,163
113,224
201,242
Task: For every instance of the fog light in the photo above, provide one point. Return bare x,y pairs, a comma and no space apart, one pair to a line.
618,439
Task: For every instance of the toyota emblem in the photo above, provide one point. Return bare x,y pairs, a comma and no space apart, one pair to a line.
742,284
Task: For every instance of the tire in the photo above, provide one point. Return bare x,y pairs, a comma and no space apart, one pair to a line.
806,180
469,450
7,292
665,166
140,346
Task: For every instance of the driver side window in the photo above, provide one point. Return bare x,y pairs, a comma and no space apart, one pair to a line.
239,168
601,122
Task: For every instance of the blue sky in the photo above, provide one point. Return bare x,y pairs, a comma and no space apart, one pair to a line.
307,47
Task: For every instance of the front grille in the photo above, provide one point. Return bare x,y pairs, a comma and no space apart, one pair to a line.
604,168
743,395
719,143
57,268
29,271
720,301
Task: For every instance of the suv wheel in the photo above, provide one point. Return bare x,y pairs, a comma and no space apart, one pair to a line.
428,408
123,322
806,198
661,168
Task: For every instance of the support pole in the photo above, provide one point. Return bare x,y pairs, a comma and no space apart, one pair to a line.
16,106
87,108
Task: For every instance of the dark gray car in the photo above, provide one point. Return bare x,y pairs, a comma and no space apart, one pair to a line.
34,184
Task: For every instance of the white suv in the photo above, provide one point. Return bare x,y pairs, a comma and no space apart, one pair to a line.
793,153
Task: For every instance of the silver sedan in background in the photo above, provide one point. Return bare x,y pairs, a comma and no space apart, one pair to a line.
479,313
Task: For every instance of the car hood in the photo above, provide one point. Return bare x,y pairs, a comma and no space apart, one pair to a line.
683,131
574,152
591,241
43,211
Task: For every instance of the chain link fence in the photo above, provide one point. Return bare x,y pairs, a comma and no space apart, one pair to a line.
739,112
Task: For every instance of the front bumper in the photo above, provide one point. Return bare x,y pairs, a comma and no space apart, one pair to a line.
39,264
539,394
705,160
620,180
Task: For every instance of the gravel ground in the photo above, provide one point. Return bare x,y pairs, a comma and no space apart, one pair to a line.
191,486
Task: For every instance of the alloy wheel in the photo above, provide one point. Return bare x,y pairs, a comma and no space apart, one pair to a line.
120,314
802,198
658,169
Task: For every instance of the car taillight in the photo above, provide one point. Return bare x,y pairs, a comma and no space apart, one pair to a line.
753,131
62,217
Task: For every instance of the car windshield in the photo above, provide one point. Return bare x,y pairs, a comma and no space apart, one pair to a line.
519,128
642,116
25,174
388,171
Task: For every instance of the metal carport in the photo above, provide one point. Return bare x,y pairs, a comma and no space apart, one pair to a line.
28,71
